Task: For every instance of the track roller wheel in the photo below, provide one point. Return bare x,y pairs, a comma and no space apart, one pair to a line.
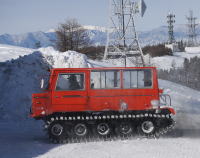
147,128
57,132
103,129
124,129
80,130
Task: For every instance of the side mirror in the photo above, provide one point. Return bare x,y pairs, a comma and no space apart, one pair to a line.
42,83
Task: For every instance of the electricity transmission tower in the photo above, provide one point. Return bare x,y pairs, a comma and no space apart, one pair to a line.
122,39
171,21
192,36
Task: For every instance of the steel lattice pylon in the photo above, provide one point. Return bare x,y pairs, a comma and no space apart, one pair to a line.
122,39
171,21
192,36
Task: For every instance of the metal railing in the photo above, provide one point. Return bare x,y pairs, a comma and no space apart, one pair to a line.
165,100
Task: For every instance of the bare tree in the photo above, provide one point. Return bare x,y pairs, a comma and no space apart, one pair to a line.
71,36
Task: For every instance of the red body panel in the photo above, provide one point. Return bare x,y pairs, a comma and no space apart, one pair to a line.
90,99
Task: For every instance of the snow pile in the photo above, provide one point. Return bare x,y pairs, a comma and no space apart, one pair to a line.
8,52
21,77
193,50
69,59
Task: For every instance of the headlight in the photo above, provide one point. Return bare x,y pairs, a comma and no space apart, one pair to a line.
155,103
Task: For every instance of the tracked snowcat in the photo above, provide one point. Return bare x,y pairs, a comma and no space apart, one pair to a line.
88,103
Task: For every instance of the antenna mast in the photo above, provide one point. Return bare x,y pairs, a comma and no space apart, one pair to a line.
122,39
192,41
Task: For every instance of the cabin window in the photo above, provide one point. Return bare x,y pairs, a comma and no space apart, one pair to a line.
137,78
70,82
105,79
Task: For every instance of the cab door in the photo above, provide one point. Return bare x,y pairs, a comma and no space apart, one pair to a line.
70,91
105,90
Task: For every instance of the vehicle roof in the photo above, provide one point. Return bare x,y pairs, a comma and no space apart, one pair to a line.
102,68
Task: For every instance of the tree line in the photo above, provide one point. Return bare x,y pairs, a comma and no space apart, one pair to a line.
188,76
156,50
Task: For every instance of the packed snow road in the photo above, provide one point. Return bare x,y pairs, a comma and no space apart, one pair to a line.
26,139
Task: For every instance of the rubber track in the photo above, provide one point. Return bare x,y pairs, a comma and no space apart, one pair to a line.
156,134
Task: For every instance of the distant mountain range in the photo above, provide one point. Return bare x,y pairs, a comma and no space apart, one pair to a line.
97,35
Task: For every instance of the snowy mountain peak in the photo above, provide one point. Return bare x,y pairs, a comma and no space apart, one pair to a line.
97,35
50,31
97,28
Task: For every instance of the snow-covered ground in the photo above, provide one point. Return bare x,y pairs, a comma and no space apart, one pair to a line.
21,136
193,50
177,60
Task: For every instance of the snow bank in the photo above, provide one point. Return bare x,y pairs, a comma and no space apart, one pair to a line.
8,52
193,50
175,61
21,77
167,62
69,59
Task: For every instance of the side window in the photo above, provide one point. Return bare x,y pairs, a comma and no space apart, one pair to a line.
130,79
95,80
105,79
148,78
137,78
140,75
70,82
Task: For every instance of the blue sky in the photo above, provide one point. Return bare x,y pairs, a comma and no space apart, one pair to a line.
20,16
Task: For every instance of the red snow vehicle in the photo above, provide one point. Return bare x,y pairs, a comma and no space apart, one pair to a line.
102,102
